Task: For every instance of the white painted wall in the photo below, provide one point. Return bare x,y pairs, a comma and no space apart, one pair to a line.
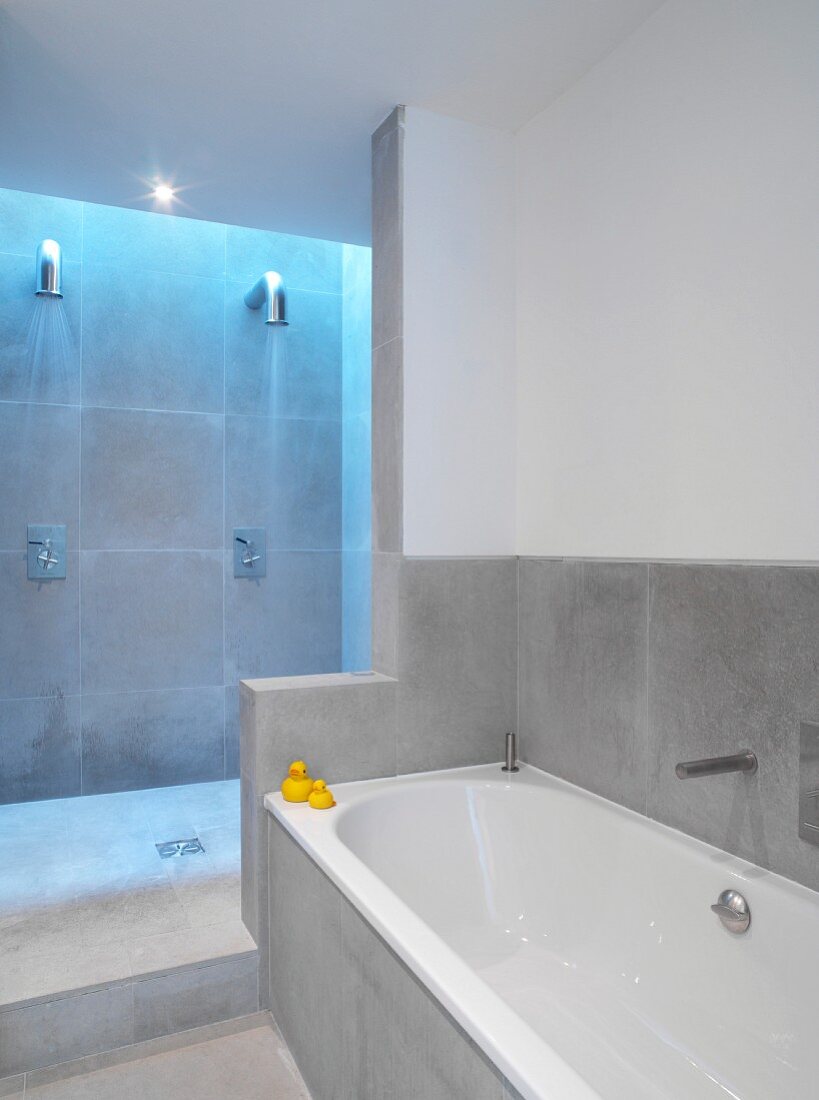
667,286
459,391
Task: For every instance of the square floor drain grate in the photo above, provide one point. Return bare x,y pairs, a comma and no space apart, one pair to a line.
170,848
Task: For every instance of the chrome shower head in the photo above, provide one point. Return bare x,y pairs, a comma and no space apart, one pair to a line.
49,270
269,292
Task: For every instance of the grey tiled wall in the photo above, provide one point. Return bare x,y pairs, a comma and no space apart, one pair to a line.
151,441
626,669
621,668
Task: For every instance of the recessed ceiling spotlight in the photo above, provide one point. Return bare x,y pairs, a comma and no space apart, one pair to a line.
163,192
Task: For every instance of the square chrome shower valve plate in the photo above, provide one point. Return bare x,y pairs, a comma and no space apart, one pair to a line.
172,848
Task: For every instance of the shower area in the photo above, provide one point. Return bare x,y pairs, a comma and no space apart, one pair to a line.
184,503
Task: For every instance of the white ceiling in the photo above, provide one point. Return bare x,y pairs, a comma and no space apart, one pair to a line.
264,109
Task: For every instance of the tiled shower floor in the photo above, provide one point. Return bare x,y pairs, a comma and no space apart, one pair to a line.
86,899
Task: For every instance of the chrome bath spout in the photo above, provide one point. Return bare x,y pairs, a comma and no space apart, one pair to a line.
744,761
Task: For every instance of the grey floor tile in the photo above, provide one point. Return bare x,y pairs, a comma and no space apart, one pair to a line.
151,480
583,639
28,977
194,806
13,1086
216,899
154,955
120,911
37,930
221,844
251,1065
38,820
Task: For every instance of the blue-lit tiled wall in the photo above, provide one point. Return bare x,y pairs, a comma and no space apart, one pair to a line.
151,442
355,459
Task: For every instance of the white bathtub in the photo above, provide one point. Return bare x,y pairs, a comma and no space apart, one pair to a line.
573,940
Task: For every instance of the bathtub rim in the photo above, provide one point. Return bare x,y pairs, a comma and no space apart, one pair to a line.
523,1056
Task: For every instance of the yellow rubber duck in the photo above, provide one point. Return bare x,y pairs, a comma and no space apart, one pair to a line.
298,785
321,797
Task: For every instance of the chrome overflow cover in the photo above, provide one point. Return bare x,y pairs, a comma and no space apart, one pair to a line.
734,912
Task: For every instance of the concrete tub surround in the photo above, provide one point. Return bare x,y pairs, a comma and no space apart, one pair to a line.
157,435
379,1031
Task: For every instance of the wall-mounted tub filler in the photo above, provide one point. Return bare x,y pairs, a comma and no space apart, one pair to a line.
809,782
49,282
718,765
268,291
511,764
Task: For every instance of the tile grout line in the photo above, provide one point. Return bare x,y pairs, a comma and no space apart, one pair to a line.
79,501
517,656
173,412
224,513
648,733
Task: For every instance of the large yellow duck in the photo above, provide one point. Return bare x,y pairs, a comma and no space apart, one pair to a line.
298,785
321,797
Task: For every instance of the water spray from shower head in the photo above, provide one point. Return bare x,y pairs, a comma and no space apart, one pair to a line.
49,270
268,291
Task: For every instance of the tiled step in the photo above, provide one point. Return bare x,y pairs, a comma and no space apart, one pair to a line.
66,1009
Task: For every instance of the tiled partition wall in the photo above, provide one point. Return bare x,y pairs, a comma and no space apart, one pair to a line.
153,438
445,688
628,668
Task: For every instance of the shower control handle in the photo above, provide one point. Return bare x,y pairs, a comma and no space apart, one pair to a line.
46,559
249,553
46,551
249,558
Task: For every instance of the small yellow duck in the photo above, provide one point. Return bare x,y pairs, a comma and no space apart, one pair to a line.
321,797
298,785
